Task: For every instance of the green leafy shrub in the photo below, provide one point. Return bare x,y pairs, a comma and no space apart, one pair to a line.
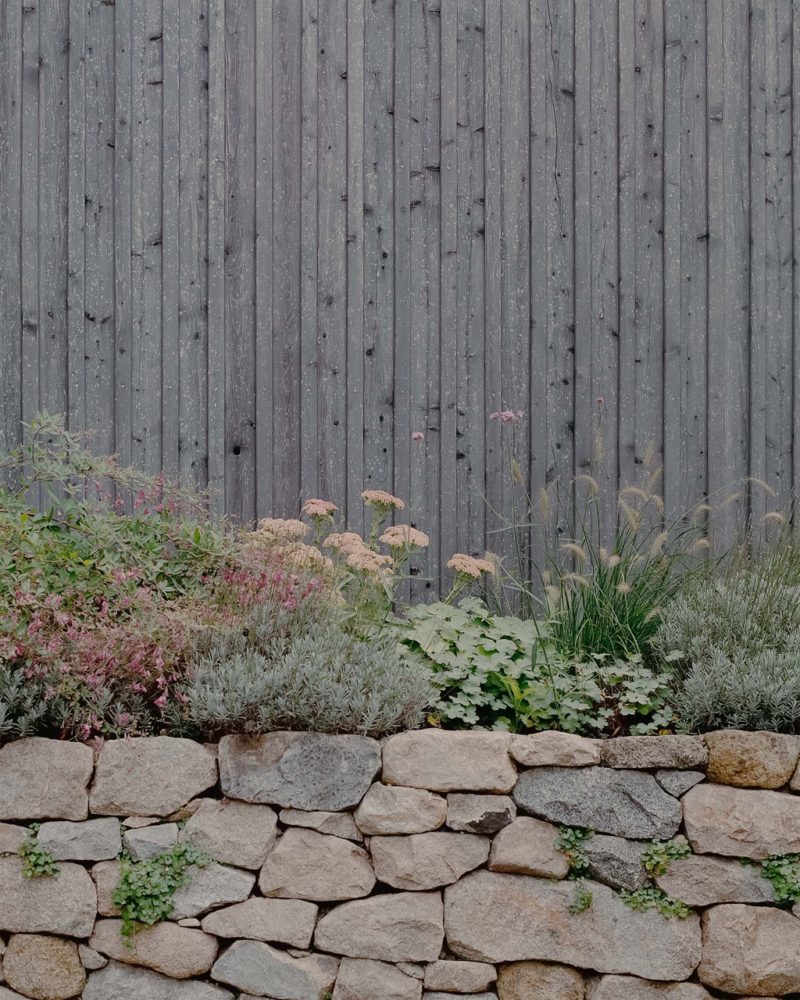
658,854
783,871
317,678
37,861
652,898
502,672
144,893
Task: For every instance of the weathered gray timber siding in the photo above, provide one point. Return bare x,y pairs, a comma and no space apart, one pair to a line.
262,243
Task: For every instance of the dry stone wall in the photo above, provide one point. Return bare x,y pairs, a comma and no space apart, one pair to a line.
433,865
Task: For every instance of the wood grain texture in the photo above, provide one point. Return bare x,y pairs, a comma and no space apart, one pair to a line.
290,247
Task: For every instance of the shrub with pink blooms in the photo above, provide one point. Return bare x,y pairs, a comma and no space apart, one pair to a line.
106,587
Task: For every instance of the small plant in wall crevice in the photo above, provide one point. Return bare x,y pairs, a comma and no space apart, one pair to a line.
783,871
658,854
650,897
37,861
144,893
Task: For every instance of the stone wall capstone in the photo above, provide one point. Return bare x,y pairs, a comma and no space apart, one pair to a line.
433,865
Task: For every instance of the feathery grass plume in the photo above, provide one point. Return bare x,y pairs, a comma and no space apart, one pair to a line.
645,496
658,543
774,517
575,578
731,498
701,545
755,481
544,503
633,518
575,550
590,482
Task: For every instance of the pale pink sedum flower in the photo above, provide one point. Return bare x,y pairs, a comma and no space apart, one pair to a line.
401,536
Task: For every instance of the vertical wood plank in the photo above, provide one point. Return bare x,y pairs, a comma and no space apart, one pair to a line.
583,249
76,226
496,538
401,166
758,264
147,232
729,220
778,261
240,488
29,197
192,229
424,164
796,248
560,269
53,204
171,248
515,273
216,255
471,414
310,96
332,259
451,534
10,224
541,102
263,261
287,372
99,249
603,261
686,258
353,511
378,244
123,233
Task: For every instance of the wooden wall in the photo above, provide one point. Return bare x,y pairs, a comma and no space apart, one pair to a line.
261,244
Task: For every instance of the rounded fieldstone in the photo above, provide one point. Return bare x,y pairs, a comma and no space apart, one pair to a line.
336,824
427,860
233,833
310,771
470,812
555,749
751,760
630,988
459,977
390,809
528,847
281,921
443,761
179,952
366,979
65,903
309,865
91,840
492,917
396,927
623,803
743,823
704,880
750,949
252,966
539,981
150,776
651,752
125,982
43,967
44,779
